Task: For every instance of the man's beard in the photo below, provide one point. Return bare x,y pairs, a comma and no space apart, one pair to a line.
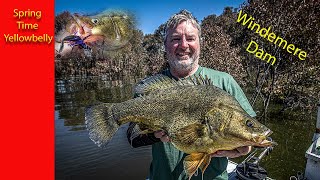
182,65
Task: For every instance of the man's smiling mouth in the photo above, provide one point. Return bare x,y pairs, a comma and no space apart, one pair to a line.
184,55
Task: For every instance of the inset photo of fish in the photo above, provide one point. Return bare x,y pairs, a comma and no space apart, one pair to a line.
187,90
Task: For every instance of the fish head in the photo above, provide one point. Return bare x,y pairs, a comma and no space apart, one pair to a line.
237,128
250,131
116,27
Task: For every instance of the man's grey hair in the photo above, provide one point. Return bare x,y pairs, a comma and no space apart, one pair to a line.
181,16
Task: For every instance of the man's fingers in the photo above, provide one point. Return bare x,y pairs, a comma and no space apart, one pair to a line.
244,150
159,134
162,136
165,138
233,153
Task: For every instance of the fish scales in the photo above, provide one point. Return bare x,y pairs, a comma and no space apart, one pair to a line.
172,108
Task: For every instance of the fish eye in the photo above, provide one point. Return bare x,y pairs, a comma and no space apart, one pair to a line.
249,123
94,20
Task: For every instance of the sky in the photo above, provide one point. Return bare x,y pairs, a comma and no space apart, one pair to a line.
150,13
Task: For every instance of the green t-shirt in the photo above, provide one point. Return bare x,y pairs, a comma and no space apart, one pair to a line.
167,162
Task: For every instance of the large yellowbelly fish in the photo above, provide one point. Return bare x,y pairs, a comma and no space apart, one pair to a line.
198,117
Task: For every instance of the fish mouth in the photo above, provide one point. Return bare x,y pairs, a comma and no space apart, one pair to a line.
265,140
268,133
268,140
96,31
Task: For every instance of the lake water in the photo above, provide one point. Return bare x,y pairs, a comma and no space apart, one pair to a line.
78,158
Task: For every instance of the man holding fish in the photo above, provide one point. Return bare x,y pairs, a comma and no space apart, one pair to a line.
198,116
182,45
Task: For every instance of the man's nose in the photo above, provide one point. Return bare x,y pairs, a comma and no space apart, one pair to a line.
184,43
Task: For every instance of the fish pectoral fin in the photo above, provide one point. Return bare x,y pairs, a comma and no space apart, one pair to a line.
193,161
190,133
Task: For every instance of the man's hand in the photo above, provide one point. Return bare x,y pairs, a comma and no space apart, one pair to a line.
162,136
240,151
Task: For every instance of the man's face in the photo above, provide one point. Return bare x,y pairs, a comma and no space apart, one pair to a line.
183,47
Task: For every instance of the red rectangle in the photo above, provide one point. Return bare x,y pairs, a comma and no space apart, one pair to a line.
27,93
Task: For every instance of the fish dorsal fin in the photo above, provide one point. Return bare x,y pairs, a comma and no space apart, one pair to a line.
200,80
160,81
152,83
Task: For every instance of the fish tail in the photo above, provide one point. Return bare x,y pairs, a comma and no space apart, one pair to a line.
101,123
